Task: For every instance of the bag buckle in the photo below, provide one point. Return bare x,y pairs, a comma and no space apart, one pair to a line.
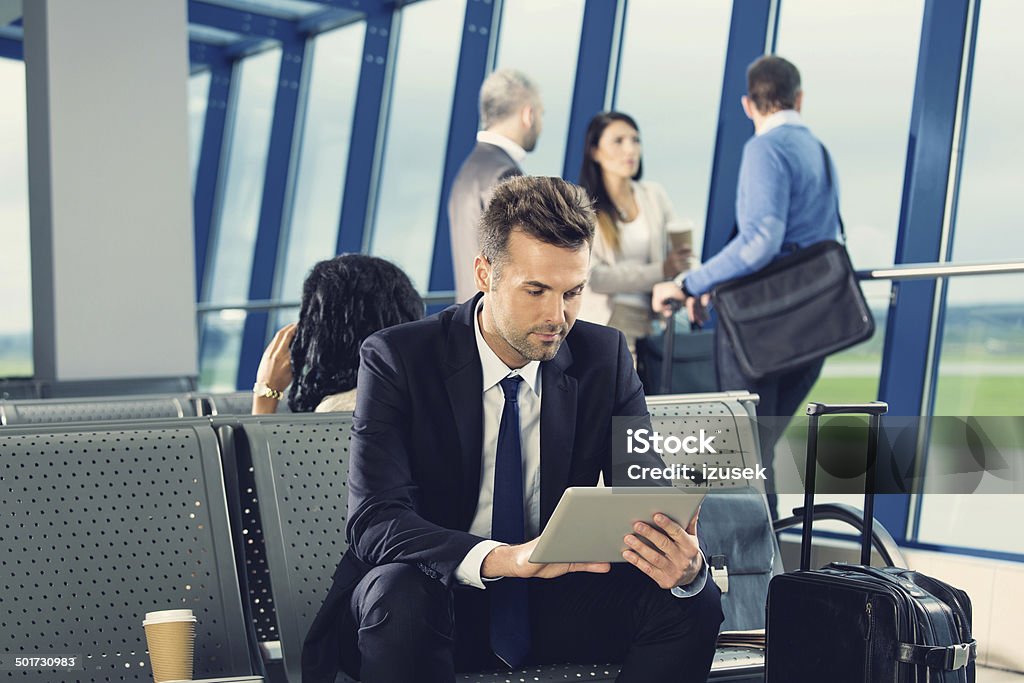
719,572
958,656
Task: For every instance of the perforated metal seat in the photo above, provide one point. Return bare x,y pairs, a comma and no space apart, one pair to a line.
55,411
299,464
102,524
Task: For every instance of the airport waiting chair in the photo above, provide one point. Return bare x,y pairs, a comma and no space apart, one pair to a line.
297,502
105,408
105,522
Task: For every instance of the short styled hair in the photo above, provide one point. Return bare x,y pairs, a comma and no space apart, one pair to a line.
503,94
773,84
547,209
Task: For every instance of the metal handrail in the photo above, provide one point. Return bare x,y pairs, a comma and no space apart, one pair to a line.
921,271
273,305
906,271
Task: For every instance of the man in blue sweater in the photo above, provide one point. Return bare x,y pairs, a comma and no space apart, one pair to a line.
784,202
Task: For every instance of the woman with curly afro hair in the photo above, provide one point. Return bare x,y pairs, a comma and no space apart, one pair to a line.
344,301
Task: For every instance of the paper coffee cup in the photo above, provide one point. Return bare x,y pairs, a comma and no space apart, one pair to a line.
681,239
170,637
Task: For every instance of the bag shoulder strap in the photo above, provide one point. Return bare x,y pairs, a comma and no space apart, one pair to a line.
831,186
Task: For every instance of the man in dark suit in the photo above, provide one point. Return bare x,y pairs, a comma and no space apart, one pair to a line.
511,116
468,427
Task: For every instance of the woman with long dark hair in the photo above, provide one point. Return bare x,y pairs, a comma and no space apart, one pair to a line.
344,301
631,252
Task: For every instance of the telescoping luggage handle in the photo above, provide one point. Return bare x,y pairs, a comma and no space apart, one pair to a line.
875,410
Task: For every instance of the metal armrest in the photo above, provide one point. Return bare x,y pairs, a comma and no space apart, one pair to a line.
881,540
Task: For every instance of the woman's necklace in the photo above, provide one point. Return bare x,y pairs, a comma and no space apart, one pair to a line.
623,214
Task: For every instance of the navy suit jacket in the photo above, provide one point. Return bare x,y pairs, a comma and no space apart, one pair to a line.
417,438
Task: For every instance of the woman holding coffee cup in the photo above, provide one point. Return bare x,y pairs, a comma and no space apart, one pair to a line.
639,240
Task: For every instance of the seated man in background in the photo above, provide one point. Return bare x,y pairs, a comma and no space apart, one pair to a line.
344,300
468,427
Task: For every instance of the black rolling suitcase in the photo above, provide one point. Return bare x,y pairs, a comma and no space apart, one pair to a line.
849,622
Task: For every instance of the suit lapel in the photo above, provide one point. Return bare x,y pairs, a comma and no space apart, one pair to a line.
557,430
464,382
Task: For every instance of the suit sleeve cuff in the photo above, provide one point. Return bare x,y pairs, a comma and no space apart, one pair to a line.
697,585
468,571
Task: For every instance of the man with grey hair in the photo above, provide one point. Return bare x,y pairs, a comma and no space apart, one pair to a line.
511,116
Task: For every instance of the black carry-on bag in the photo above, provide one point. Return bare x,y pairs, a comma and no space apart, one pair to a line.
855,622
691,369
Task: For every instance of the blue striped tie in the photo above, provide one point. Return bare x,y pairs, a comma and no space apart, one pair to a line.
510,613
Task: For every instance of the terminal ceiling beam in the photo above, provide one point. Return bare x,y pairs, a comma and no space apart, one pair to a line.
475,57
285,131
238,21
11,47
363,167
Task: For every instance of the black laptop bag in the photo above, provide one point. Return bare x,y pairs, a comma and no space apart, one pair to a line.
854,622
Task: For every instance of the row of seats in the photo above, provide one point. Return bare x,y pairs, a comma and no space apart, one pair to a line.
91,409
242,519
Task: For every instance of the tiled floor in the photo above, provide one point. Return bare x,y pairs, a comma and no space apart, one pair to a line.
997,676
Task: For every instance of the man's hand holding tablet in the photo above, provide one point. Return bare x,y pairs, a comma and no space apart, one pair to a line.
670,554
514,561
584,534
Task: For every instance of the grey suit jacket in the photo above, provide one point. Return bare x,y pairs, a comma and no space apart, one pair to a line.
485,167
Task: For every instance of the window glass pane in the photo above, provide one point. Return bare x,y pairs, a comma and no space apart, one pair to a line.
243,184
852,57
981,367
857,64
253,109
220,349
316,206
198,94
676,50
420,111
541,38
988,216
16,321
981,374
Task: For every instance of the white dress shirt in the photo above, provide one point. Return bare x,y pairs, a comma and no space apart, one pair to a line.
495,370
512,148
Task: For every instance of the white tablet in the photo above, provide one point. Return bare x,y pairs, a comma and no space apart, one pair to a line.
589,523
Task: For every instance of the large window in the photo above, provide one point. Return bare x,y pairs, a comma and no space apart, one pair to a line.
323,158
241,199
670,81
16,320
981,366
417,134
857,64
541,38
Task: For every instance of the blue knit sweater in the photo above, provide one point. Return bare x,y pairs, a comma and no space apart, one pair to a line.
782,198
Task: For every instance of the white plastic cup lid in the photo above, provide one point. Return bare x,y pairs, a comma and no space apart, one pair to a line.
168,615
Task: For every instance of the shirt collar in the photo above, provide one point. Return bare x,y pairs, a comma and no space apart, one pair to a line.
785,117
511,148
494,368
